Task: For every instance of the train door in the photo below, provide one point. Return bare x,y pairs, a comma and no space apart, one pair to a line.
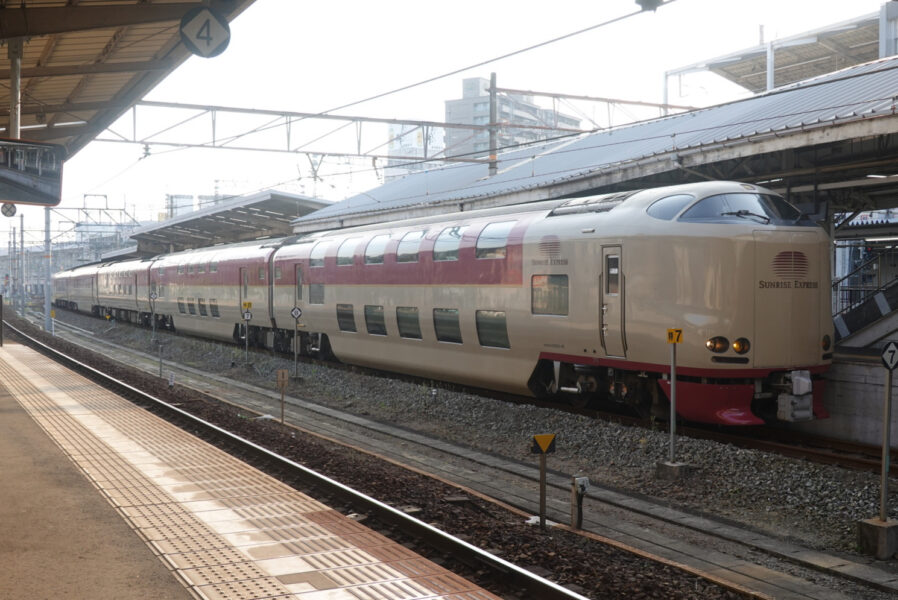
611,311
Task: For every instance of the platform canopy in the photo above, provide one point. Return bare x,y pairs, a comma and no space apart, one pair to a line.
799,57
84,63
266,214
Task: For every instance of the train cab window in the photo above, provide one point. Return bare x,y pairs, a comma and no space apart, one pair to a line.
213,267
201,304
181,308
446,246
612,274
374,252
191,307
446,325
346,317
748,207
316,256
374,320
492,240
316,293
346,252
549,295
492,330
213,307
669,207
408,322
408,246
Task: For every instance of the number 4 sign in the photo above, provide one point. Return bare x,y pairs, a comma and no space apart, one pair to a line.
205,32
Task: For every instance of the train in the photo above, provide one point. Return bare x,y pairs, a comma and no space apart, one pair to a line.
573,300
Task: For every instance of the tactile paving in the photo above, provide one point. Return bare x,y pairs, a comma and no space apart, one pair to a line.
229,530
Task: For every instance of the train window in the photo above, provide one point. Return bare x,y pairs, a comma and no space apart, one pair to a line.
446,325
201,268
316,257
180,269
298,284
549,295
277,272
213,307
213,267
161,272
201,304
446,246
190,269
191,307
261,273
346,317
491,328
669,207
408,322
181,308
374,253
492,240
130,289
374,320
612,274
408,246
762,209
346,252
316,293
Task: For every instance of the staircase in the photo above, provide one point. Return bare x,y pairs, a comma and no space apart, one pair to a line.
865,305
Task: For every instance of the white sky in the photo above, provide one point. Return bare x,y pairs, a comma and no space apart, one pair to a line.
313,56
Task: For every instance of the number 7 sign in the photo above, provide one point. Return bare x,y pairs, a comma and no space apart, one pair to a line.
890,356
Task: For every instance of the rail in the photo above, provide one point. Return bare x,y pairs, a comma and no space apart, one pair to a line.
535,586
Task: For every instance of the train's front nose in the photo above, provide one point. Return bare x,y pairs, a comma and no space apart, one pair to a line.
791,272
792,315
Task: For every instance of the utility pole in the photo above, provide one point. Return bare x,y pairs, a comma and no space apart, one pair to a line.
494,117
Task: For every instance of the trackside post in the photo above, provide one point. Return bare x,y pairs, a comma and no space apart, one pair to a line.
879,537
542,444
671,469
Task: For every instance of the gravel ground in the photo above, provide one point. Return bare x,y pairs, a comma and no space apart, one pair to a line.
815,505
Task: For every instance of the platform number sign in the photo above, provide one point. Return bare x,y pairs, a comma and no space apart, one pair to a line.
205,32
890,356
674,336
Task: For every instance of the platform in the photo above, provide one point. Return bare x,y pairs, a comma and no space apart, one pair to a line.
186,519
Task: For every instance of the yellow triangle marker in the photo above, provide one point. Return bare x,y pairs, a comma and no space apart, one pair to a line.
544,442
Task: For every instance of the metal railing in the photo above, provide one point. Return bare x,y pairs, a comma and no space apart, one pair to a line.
859,285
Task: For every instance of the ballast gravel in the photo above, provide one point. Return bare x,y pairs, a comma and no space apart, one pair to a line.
815,505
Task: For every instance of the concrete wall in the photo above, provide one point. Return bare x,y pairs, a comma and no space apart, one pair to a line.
855,391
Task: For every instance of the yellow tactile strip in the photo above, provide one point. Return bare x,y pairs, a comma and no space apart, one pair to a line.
228,530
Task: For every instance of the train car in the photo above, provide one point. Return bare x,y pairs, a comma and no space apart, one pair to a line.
76,289
206,292
565,299
573,300
122,290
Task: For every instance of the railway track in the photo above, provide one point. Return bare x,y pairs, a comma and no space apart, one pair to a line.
501,573
403,444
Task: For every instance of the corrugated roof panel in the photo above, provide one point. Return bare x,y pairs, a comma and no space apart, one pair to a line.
853,94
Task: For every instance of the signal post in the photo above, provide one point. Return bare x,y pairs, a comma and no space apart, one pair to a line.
670,469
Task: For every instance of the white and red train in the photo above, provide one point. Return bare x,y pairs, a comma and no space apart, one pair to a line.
566,298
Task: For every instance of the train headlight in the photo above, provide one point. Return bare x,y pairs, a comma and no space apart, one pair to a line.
717,344
827,342
741,346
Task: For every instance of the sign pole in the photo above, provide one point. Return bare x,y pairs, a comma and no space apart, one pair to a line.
674,337
542,490
890,361
542,444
